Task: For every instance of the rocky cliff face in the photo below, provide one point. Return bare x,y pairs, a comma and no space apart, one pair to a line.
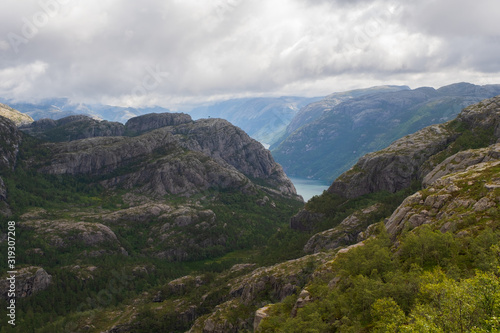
10,139
264,118
3,190
180,159
395,167
351,230
148,122
414,156
305,220
468,193
274,282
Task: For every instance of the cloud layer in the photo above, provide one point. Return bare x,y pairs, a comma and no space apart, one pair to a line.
169,52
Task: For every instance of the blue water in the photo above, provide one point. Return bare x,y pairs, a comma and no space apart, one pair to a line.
308,188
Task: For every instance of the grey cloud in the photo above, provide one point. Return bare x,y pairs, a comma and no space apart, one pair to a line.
96,50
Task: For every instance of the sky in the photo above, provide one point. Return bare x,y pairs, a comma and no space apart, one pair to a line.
176,52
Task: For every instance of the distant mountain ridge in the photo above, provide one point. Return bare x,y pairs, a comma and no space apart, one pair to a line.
337,134
57,108
314,110
263,118
316,138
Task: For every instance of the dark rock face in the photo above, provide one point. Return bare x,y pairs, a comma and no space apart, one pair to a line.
393,168
305,220
10,139
3,190
148,122
184,175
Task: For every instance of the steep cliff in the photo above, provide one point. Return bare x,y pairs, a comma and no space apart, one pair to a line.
411,158
10,139
175,159
29,281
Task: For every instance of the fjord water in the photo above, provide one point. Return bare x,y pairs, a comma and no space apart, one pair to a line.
308,188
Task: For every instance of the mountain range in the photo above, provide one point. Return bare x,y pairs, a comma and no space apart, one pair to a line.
171,224
327,137
313,138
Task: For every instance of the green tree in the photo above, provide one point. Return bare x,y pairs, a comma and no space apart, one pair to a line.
387,316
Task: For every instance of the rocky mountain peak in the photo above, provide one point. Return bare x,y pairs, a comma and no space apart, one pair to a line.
181,157
151,121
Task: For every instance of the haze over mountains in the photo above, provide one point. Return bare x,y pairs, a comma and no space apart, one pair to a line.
264,119
315,138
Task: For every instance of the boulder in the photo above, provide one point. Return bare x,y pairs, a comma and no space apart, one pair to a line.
29,281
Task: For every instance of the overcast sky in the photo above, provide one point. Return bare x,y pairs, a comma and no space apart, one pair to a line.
169,52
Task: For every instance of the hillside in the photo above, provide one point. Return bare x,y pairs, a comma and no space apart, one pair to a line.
412,261
154,203
407,240
314,110
17,117
339,134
